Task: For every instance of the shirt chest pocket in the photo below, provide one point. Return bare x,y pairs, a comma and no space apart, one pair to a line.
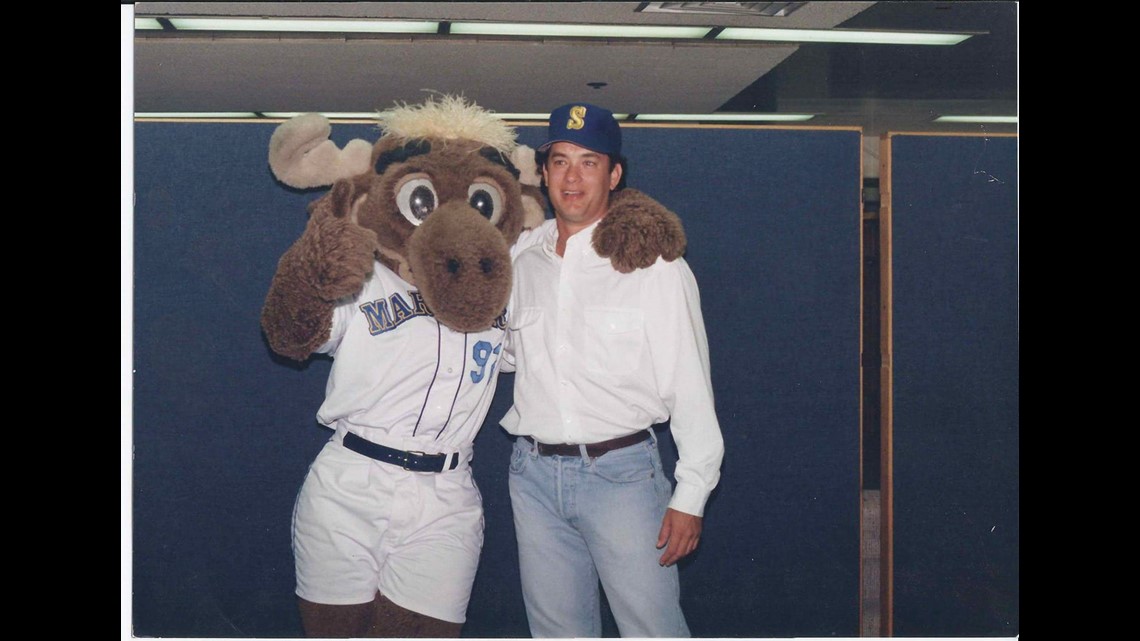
614,340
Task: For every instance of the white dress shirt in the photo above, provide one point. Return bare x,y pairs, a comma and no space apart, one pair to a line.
600,354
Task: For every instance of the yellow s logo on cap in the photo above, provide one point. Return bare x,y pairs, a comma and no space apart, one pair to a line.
576,118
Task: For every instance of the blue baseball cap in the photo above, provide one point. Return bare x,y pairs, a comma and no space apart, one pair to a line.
585,125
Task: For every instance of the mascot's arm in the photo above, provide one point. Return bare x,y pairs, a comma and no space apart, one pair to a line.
636,230
330,261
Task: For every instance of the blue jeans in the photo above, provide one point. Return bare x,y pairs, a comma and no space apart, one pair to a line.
580,520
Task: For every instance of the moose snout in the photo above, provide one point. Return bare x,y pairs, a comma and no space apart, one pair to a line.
486,265
462,265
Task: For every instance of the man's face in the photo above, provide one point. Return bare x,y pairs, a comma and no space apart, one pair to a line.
579,182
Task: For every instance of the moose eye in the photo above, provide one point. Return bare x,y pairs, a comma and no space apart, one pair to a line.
485,198
416,198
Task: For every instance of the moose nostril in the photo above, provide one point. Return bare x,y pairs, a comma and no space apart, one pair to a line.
452,265
486,264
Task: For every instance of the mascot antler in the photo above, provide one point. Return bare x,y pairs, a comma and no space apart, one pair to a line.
302,156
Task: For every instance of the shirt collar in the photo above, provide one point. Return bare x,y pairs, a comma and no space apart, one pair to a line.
574,243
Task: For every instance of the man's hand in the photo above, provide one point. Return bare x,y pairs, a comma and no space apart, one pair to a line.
682,532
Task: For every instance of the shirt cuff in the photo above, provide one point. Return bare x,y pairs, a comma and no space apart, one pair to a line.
689,499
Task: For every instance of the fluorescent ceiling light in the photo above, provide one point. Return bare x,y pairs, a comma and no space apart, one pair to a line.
371,115
543,116
326,26
574,30
726,117
196,114
522,116
981,119
842,36
537,116
549,30
332,115
283,115
770,9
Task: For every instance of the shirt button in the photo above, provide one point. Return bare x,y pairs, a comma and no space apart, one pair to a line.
564,383
449,370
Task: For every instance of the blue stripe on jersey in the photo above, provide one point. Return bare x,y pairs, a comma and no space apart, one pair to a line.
427,392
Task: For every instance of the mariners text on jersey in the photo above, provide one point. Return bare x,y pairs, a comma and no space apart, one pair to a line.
386,314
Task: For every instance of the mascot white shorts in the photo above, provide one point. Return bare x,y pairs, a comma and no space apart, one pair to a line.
362,526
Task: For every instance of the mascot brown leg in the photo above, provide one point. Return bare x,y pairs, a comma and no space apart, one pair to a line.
379,619
321,620
392,621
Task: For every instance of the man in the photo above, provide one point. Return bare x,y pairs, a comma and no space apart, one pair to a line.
600,357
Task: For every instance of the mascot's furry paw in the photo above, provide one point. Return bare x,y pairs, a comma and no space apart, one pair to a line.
637,230
336,250
330,260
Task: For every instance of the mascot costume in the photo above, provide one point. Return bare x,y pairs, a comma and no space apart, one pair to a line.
403,275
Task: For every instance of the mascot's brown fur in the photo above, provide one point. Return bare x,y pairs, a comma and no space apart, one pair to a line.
641,228
438,199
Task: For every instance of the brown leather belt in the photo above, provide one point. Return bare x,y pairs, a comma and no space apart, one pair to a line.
593,450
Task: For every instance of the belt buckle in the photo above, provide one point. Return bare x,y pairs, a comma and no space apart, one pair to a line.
408,460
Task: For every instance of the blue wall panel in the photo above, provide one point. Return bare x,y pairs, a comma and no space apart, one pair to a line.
956,386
